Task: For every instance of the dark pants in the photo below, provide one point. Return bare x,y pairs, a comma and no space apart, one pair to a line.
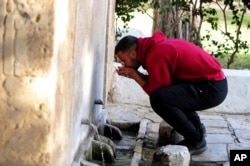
177,104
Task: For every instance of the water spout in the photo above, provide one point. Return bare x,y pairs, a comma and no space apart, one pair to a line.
87,122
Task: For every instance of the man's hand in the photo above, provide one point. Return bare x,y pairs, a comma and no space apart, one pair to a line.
131,73
126,71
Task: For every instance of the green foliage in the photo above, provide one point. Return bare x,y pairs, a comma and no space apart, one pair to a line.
124,11
215,12
232,43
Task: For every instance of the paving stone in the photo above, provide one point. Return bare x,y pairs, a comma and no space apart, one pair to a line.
214,153
153,117
239,122
243,134
217,130
153,127
192,163
210,117
126,116
243,141
219,138
214,123
238,146
218,126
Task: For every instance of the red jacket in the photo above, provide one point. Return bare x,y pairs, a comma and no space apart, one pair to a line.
169,60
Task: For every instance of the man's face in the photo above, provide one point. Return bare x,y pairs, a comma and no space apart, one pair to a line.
128,59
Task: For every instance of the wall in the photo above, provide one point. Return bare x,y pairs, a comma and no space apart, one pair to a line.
53,62
27,88
237,101
94,40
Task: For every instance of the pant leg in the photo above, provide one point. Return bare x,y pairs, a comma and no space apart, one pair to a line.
177,104
194,118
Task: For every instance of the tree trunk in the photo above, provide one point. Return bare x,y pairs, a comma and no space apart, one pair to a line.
174,22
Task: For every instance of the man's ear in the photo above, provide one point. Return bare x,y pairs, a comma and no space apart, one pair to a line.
133,54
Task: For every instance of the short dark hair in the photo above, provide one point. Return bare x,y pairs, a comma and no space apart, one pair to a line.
126,43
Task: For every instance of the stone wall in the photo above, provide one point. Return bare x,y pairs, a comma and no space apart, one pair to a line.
53,65
26,90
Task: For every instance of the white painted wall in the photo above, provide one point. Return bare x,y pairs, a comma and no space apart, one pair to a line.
125,90
94,23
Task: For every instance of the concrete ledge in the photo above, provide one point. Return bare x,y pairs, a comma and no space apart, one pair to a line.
125,90
238,97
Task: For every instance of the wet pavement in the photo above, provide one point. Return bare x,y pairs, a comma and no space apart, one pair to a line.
225,132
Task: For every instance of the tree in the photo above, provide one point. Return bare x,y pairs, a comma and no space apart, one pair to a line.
124,10
185,18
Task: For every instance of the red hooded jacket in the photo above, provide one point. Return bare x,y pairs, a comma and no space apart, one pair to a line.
170,60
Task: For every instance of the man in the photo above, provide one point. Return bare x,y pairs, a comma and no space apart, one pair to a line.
182,79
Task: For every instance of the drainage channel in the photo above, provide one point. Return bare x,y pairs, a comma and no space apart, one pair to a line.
129,149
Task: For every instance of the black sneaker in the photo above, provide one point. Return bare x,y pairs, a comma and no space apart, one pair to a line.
194,147
202,130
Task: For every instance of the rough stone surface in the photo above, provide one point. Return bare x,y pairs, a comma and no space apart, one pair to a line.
120,85
167,135
52,67
171,155
102,152
24,122
28,37
107,141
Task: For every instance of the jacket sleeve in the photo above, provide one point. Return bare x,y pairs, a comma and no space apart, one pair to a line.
159,70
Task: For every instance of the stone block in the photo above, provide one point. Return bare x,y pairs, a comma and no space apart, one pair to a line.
8,48
167,134
153,128
33,39
143,128
102,152
171,155
107,141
